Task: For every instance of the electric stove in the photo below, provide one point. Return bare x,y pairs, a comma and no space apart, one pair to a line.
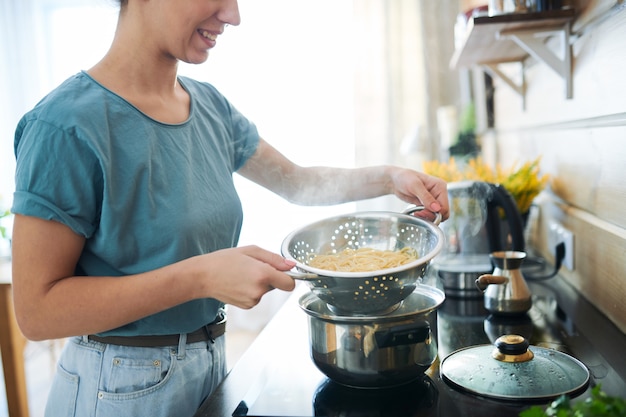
277,378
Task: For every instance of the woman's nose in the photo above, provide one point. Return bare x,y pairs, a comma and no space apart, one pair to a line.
229,13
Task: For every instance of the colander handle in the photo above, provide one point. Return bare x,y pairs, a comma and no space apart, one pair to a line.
302,275
412,209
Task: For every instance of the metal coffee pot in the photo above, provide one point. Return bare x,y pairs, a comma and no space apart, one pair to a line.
506,291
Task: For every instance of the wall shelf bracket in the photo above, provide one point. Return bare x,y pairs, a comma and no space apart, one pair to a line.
519,88
534,43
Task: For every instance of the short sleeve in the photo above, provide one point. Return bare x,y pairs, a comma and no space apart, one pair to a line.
246,138
58,177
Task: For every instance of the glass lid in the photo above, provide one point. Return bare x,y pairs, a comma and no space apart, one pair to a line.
513,370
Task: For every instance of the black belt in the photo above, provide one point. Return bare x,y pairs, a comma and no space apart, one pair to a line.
209,332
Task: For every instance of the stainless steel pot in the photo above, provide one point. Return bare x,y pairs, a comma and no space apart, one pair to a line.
372,292
375,351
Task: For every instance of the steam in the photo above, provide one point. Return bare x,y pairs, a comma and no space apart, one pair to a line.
316,186
468,215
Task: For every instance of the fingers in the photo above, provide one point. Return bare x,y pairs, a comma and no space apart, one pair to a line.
422,189
241,276
276,279
271,264
433,192
270,258
439,191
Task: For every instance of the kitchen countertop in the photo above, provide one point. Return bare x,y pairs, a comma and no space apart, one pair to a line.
276,376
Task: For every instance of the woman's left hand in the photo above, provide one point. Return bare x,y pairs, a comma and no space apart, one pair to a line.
422,190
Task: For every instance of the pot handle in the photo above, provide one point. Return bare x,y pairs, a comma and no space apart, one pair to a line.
404,334
412,209
485,280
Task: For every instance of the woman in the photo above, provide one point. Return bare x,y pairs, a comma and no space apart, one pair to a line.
127,220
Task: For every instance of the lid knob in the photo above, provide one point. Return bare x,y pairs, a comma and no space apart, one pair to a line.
512,348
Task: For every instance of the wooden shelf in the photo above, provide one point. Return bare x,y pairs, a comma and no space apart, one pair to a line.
492,40
483,44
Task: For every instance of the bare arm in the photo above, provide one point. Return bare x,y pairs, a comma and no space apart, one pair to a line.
326,185
51,302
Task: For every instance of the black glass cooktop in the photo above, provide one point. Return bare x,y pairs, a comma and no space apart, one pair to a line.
277,378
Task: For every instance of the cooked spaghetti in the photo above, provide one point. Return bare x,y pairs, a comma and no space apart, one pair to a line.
363,259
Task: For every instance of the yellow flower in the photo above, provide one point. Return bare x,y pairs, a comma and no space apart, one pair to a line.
523,183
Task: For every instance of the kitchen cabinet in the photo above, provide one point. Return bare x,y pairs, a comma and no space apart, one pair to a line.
489,41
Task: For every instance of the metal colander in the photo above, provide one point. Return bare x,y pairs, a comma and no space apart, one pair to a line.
372,292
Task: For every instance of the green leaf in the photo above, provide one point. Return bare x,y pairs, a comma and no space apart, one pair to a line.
598,405
534,411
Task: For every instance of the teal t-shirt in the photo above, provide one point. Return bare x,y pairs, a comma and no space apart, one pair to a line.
143,193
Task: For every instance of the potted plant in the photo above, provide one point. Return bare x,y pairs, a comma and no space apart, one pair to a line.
523,183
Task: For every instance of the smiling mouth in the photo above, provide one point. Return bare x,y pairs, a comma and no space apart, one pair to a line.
208,35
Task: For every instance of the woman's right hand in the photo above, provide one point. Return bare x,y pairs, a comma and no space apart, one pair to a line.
241,276
51,302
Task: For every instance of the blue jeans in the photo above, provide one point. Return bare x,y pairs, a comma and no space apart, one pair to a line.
101,380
